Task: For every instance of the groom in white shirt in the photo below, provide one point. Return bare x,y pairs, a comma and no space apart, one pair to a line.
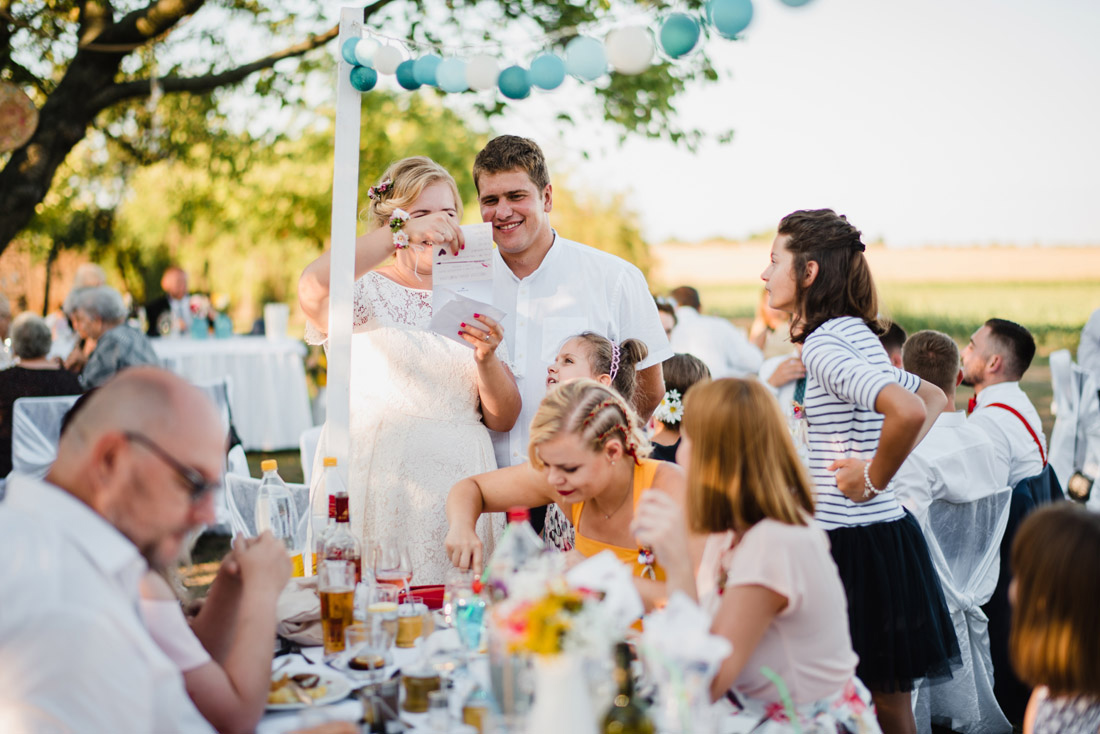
993,362
955,461
133,477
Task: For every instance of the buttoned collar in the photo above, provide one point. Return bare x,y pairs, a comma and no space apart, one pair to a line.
105,547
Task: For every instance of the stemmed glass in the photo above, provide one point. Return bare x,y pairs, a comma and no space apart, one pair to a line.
392,564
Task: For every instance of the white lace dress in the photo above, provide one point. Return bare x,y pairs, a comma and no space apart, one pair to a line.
415,425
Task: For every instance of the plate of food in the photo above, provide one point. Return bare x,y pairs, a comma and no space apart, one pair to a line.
304,686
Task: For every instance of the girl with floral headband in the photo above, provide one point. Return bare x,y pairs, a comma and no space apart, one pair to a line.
588,456
421,403
681,372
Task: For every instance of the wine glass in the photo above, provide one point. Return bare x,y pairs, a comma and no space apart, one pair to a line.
392,564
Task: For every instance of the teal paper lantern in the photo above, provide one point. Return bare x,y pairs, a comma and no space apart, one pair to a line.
513,83
729,17
547,71
585,58
406,77
425,67
451,76
348,51
363,78
679,34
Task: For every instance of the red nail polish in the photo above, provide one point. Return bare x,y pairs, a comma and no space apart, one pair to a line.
463,324
461,334
477,316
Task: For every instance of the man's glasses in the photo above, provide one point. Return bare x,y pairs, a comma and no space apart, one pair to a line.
198,485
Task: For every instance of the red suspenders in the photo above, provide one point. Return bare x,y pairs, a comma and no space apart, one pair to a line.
1009,408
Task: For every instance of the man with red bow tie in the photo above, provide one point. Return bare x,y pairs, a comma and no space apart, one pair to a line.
993,362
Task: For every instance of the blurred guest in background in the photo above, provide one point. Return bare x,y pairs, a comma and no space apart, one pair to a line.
100,314
666,310
1088,352
724,348
32,376
171,313
5,327
892,340
771,328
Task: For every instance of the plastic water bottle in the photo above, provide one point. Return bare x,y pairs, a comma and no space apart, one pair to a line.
275,508
517,547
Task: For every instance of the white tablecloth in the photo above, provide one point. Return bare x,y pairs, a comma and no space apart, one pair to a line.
268,392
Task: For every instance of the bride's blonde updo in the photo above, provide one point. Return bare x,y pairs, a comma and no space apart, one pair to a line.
594,412
407,178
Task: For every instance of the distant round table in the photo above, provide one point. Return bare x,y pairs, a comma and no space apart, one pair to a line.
267,390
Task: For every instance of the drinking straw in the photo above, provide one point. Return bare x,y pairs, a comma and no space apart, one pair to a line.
784,696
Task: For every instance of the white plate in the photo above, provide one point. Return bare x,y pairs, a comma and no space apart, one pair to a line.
337,686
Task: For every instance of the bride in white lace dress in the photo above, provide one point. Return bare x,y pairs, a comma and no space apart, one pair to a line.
420,403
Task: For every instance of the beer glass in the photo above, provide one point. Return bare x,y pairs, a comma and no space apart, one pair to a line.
336,587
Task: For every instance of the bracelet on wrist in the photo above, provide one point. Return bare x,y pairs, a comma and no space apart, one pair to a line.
397,226
869,490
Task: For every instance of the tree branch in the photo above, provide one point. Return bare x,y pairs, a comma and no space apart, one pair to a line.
208,82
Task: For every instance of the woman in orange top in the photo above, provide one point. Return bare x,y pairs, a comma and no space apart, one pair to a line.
588,455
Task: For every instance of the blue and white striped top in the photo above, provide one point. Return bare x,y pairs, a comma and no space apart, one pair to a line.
846,368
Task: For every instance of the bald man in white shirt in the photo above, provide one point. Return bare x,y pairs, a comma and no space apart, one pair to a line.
133,477
956,460
993,362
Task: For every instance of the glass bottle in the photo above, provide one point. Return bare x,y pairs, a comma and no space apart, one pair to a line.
341,544
275,508
331,485
517,547
627,714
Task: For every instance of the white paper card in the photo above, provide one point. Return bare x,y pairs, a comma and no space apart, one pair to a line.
457,309
470,272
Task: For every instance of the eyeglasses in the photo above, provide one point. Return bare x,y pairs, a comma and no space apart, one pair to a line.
198,485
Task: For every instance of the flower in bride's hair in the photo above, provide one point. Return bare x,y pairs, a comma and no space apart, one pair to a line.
671,409
375,193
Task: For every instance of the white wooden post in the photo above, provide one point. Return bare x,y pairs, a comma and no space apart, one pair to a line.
345,202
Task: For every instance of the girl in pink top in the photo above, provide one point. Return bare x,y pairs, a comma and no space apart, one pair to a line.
767,572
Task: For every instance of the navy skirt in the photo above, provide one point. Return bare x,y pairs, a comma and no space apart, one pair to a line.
901,628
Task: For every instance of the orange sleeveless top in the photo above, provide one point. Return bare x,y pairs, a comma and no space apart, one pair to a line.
587,547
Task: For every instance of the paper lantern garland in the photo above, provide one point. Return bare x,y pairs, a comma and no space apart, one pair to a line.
626,50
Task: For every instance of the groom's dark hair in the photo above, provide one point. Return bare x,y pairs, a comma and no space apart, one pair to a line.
509,153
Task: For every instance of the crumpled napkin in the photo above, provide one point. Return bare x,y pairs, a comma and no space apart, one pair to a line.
604,572
298,611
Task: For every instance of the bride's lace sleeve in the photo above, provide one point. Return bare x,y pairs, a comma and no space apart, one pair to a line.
362,313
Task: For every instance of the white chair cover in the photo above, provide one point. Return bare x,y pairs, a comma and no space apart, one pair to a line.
35,431
240,493
1075,440
964,541
307,446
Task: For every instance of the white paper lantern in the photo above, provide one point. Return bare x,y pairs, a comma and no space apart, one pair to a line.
365,50
482,72
386,59
630,50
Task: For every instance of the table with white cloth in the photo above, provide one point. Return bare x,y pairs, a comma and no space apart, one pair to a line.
268,393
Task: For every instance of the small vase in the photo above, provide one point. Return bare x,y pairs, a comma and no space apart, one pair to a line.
562,702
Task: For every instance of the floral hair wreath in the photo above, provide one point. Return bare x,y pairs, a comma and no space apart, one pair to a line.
374,193
671,409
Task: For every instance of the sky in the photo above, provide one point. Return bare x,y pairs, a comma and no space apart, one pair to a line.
934,122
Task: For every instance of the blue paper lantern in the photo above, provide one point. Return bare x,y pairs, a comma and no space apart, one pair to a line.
406,77
513,82
679,34
363,78
547,71
348,51
585,58
425,67
794,3
451,76
729,17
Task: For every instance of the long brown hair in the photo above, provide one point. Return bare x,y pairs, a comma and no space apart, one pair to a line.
743,467
1055,637
843,286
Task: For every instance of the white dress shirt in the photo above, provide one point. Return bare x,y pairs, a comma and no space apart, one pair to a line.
74,654
724,348
785,392
1088,352
576,288
1015,448
955,462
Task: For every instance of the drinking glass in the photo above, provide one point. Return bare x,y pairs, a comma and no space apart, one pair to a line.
382,612
336,587
392,564
455,581
365,651
469,618
414,622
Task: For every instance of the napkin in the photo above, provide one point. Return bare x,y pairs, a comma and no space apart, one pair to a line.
298,612
606,573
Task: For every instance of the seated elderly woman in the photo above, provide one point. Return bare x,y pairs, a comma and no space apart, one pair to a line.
32,376
99,314
589,456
